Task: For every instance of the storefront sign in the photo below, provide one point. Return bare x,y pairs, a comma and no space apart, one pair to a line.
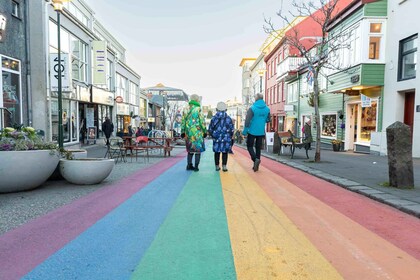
102,96
119,99
91,135
288,108
90,117
150,119
83,94
65,73
366,101
123,109
99,62
354,79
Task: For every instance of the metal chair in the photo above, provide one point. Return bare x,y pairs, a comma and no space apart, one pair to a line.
116,149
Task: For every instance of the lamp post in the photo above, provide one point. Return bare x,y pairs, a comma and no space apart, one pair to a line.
58,7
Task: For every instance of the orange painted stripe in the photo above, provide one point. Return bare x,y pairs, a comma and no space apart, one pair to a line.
353,250
265,243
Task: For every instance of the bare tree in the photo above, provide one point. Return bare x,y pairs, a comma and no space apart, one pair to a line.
316,50
173,108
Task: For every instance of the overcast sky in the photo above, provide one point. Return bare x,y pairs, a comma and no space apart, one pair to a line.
195,45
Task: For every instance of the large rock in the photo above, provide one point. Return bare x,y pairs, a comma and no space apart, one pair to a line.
400,158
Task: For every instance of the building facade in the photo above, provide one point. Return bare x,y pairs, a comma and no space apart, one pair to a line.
14,106
401,101
96,81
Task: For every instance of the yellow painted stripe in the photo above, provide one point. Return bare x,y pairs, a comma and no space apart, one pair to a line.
265,243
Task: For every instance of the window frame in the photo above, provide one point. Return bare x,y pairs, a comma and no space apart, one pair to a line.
402,54
16,9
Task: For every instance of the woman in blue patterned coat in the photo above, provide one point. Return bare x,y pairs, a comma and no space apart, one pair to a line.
221,130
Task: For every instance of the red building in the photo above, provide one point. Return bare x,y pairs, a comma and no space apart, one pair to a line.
307,32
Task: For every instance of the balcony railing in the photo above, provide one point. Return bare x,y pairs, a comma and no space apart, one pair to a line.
287,65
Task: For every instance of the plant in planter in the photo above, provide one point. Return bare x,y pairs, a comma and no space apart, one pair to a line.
336,143
21,151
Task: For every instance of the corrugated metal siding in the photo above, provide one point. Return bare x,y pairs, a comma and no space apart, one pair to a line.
343,79
379,8
328,103
373,74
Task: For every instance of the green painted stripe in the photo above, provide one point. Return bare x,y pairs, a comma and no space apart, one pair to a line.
193,242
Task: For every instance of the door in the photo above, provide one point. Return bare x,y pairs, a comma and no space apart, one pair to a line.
351,133
409,110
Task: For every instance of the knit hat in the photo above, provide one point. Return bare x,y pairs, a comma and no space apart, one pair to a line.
221,106
195,97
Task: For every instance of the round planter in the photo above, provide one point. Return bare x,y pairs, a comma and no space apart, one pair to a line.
77,153
25,170
86,171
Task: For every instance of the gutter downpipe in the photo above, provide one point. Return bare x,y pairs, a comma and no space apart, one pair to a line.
28,68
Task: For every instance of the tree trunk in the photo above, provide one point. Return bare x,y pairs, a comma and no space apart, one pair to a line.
317,119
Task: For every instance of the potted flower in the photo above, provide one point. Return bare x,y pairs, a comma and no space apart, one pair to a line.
337,143
21,152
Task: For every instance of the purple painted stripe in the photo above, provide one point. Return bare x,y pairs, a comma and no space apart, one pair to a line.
25,247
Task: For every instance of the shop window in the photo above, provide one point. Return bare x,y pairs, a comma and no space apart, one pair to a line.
368,122
329,125
11,98
407,58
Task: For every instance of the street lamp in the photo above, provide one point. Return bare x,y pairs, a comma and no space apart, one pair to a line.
58,7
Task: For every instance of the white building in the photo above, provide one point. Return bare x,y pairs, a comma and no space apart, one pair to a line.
402,85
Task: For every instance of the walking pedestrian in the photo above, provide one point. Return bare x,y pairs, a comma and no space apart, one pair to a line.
307,133
193,129
107,128
256,118
221,130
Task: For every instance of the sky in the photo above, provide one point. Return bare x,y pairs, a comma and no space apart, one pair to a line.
194,45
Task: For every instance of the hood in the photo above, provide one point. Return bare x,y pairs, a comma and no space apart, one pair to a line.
260,104
220,115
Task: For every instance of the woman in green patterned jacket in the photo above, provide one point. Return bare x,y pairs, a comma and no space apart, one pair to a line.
193,129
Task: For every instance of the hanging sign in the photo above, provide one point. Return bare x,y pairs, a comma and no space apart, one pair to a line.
65,73
366,101
99,62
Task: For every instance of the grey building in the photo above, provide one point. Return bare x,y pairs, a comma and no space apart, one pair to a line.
14,63
96,81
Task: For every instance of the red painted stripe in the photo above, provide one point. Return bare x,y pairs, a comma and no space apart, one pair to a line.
391,224
25,247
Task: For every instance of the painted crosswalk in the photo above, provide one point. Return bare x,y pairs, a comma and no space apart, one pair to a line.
168,223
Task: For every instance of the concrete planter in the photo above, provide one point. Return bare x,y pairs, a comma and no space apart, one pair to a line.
25,170
86,171
77,153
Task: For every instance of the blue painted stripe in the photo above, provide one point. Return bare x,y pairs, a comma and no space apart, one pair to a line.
113,247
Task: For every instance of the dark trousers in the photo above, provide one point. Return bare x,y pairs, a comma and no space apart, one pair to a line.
196,159
217,158
252,140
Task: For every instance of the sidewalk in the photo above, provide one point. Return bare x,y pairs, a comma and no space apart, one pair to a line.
362,173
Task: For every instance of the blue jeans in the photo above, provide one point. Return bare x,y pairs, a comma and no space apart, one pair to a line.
252,140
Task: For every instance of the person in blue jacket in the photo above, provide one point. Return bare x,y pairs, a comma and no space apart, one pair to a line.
221,130
256,118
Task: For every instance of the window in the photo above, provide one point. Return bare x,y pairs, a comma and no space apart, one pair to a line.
109,77
292,93
328,125
10,86
15,9
375,36
407,58
78,59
